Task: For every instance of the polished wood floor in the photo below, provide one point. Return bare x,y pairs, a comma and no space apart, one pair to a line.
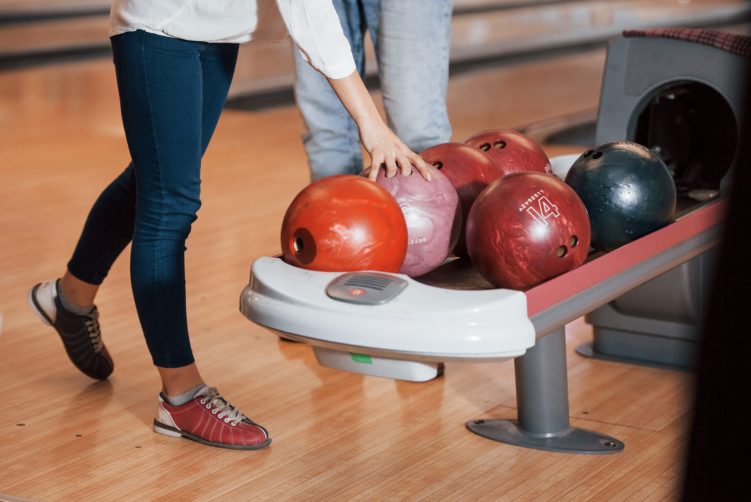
337,436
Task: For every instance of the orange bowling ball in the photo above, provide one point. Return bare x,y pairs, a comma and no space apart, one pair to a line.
344,223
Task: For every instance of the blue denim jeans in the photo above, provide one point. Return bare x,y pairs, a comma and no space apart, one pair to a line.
171,95
411,40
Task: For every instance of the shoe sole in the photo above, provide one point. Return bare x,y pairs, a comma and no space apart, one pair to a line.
176,433
37,309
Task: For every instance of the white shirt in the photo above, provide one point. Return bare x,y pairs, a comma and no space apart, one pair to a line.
313,25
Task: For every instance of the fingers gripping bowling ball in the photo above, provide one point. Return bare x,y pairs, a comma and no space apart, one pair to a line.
469,170
526,228
433,215
627,189
511,150
344,223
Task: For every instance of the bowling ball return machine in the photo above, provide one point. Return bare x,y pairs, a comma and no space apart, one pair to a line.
394,326
678,92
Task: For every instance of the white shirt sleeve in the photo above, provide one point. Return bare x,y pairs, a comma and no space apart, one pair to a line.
317,32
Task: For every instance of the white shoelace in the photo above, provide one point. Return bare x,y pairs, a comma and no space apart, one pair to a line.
95,333
220,407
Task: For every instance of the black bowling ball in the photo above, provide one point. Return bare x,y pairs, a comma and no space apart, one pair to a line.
627,189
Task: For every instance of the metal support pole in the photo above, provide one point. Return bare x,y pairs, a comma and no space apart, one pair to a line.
542,403
542,386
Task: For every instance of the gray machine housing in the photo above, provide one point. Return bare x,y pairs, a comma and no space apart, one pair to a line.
653,89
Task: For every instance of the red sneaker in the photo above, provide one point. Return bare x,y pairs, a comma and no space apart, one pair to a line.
209,419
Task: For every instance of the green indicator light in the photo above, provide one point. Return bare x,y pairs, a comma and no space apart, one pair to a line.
361,358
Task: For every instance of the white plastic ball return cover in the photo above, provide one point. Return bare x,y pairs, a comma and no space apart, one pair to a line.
386,324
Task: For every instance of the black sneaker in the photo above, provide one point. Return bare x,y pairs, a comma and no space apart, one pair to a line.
80,334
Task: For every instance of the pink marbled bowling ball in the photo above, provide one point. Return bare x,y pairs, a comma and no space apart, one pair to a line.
433,215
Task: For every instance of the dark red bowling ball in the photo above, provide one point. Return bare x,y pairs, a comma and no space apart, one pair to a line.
344,223
526,228
469,170
512,151
433,215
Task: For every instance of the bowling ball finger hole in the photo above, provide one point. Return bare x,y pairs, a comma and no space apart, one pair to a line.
485,147
499,145
561,251
597,155
588,153
303,246
573,241
438,165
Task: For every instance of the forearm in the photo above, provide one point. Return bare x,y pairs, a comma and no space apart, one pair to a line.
357,100
384,147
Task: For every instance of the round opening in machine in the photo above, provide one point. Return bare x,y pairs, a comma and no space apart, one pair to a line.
693,129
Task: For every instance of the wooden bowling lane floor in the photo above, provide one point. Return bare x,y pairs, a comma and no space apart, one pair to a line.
337,436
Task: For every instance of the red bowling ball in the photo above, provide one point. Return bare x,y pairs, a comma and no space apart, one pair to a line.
433,215
469,170
512,151
344,223
526,228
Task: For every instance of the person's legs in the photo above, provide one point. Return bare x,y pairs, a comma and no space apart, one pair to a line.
159,80
172,93
169,110
412,41
332,141
217,68
110,225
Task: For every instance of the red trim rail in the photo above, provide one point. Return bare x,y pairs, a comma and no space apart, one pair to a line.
602,279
